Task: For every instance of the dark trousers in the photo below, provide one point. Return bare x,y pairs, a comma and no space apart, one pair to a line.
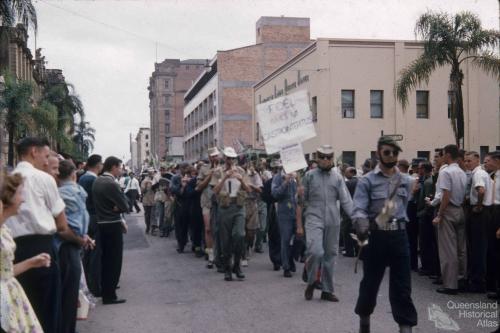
215,226
181,225
132,196
148,212
429,256
41,285
69,262
92,260
346,230
287,230
274,236
112,255
196,224
412,230
387,249
479,247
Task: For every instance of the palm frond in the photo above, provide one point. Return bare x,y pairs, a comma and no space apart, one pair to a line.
26,13
488,62
415,73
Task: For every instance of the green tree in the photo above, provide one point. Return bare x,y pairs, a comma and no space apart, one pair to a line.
18,11
450,41
17,101
84,138
44,118
68,105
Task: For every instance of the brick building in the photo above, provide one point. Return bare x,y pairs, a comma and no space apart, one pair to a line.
167,86
218,106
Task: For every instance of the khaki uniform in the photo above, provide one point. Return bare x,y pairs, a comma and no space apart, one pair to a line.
231,215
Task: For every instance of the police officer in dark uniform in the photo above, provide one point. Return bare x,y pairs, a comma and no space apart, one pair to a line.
380,203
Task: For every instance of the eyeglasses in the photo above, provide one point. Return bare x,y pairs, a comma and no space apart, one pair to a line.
389,152
325,157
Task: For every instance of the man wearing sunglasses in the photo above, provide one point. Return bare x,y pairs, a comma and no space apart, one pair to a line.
380,204
322,188
231,191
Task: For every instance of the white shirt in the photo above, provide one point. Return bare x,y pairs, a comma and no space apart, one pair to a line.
42,203
133,184
454,180
439,194
480,178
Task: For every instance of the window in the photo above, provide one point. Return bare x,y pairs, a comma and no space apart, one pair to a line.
376,103
483,150
423,104
349,157
314,109
147,144
167,128
167,116
147,136
187,66
424,154
167,83
167,99
257,132
450,94
347,103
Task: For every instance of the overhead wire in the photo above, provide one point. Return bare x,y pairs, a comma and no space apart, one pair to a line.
110,26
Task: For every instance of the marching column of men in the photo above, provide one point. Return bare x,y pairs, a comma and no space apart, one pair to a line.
455,216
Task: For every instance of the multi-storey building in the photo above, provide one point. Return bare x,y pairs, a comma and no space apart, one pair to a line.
16,59
351,89
218,106
143,141
167,86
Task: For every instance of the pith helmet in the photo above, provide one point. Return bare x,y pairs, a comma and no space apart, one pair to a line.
213,151
388,140
325,150
229,152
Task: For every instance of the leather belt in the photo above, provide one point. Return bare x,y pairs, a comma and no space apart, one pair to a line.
393,225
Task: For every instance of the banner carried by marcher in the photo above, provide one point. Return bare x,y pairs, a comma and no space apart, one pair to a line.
285,120
292,158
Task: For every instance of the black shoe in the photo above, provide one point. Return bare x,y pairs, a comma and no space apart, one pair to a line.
228,276
237,271
210,265
447,291
308,294
330,297
287,274
493,296
180,250
113,301
276,267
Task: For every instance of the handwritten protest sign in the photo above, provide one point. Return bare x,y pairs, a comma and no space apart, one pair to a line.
292,158
286,120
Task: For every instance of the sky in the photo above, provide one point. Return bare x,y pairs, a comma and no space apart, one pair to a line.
107,49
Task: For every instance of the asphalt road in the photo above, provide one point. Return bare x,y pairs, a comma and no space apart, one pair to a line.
171,292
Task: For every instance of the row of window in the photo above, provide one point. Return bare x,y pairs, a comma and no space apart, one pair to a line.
377,104
197,145
203,113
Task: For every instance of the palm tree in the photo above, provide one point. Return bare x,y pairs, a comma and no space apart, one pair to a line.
18,11
63,97
18,103
450,41
84,138
44,118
